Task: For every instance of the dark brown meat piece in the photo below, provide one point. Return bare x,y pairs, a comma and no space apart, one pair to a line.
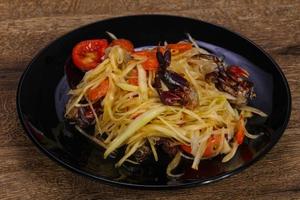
168,146
233,80
84,117
145,151
179,92
142,153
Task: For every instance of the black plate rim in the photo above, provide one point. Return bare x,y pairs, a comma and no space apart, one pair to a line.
140,186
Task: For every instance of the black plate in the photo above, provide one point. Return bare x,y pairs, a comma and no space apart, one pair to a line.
42,95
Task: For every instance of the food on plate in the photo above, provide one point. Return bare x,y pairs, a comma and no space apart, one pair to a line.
174,98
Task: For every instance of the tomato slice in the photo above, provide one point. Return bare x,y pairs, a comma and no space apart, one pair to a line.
240,134
151,62
133,77
125,44
180,47
186,148
143,53
99,91
213,143
87,54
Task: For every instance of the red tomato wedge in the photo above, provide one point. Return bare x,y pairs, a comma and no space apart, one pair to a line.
180,47
212,145
133,77
125,44
240,134
151,62
186,148
87,54
99,91
143,53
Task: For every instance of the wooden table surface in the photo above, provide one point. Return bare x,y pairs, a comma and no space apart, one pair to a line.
27,26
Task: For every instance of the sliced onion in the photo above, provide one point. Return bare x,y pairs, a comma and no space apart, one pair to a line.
253,110
198,156
93,138
226,147
173,164
230,155
186,156
251,136
111,35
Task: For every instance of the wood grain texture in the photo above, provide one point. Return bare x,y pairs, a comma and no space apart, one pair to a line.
27,26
